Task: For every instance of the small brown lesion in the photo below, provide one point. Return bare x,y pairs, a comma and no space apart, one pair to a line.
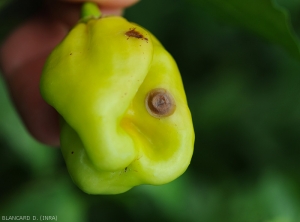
160,103
135,34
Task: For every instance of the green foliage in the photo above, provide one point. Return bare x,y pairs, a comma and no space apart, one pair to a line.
263,17
243,92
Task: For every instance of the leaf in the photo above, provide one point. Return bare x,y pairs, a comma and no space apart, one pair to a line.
264,17
48,197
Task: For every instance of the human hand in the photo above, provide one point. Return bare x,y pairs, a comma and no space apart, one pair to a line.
24,52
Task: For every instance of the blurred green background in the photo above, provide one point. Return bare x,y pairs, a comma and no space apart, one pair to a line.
244,95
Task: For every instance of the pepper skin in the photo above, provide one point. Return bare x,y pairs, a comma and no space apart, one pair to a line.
109,80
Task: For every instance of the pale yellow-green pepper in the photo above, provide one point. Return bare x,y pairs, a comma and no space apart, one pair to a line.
125,119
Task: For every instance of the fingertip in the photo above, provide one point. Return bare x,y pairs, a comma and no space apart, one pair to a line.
45,130
44,127
109,3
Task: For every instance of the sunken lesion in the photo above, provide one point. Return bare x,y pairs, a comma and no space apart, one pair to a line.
135,34
160,103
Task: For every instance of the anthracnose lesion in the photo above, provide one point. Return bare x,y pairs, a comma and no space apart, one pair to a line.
160,103
135,34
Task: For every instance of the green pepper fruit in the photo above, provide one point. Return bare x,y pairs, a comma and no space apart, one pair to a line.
124,114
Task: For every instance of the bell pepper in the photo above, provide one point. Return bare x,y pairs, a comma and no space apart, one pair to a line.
124,114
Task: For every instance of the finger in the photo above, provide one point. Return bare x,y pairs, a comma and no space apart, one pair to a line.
109,3
69,13
36,37
22,57
40,119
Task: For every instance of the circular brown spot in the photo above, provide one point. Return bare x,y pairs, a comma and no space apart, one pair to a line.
160,103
